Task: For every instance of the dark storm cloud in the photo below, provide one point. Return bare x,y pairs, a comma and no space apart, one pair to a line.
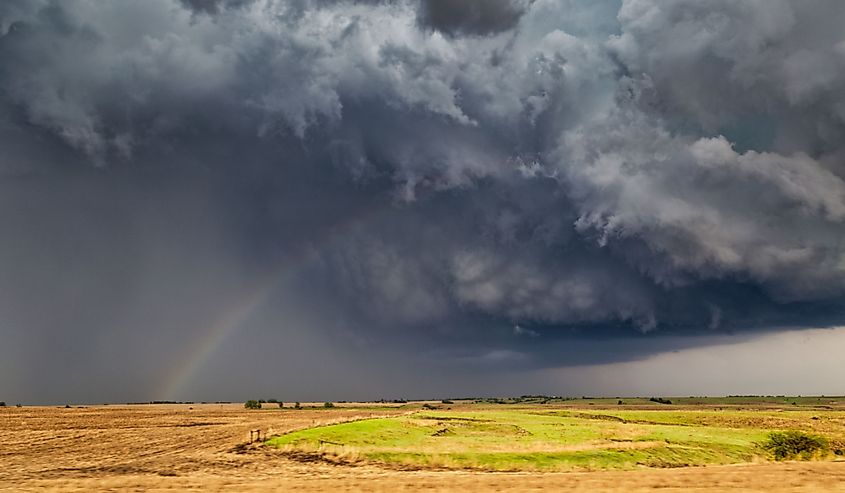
213,6
434,174
471,16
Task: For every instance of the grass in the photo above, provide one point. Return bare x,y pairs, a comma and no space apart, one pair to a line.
537,438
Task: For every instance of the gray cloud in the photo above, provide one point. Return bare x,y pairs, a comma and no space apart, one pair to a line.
472,16
213,6
422,177
777,220
719,65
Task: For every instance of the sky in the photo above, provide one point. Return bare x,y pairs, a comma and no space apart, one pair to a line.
364,199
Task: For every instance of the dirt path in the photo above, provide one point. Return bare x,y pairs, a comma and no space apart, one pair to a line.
173,448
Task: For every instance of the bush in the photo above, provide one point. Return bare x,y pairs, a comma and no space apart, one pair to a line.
446,401
296,405
252,404
660,400
328,404
428,406
794,444
281,404
2,404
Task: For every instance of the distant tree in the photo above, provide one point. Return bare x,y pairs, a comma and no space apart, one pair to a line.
446,401
296,405
281,404
2,404
328,404
620,402
272,401
252,404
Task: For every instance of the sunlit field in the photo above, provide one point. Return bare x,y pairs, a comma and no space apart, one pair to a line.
533,438
538,444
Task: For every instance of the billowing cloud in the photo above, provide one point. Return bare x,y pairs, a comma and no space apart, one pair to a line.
727,66
706,211
434,173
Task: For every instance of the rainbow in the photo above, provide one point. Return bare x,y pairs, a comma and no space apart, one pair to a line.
219,331
234,317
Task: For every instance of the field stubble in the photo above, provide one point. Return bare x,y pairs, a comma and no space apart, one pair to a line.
201,447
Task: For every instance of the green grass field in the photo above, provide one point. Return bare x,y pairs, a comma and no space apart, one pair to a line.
548,438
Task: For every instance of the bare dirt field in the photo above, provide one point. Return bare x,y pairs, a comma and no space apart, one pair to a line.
202,447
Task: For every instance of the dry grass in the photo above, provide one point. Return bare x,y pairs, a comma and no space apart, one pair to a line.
174,448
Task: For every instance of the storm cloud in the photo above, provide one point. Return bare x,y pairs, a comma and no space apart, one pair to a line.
481,186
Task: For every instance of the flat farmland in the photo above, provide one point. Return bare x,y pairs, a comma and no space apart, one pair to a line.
177,447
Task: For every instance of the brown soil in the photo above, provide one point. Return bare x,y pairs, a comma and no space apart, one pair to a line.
176,448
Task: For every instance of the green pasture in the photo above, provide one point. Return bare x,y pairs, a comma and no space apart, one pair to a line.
535,438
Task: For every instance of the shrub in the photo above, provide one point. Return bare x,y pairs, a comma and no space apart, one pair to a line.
252,404
660,400
794,444
281,404
272,401
296,405
428,406
446,401
2,404
328,404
